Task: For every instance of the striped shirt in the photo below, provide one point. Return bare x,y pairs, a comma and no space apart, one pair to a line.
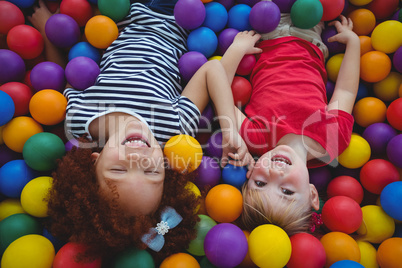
139,76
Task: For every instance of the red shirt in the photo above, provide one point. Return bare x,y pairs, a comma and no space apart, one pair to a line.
289,96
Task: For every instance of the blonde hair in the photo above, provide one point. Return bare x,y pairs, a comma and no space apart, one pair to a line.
259,209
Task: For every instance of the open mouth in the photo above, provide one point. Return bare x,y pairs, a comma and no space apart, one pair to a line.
135,141
281,159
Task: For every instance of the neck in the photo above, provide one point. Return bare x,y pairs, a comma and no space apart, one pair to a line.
297,144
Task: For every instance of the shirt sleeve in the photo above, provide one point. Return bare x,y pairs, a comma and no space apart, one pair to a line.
255,134
189,115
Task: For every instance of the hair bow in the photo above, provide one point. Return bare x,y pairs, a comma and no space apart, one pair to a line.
315,222
154,239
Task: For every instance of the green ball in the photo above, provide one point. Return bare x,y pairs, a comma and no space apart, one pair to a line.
114,9
306,14
41,151
196,246
133,257
16,226
205,263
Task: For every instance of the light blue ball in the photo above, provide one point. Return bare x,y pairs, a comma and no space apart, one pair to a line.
346,264
391,200
239,17
14,175
7,108
216,16
234,175
203,40
84,49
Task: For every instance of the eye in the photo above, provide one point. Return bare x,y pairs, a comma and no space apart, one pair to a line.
287,192
260,183
118,170
151,172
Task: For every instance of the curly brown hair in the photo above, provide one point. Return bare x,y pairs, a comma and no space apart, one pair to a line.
78,213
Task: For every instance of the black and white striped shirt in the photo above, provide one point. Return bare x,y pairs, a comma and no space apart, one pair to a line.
139,76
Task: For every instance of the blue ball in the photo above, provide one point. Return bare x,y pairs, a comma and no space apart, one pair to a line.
216,16
7,108
84,49
22,3
234,175
14,175
239,17
391,199
362,92
203,40
346,264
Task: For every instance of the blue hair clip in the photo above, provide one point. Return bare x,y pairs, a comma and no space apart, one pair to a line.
155,239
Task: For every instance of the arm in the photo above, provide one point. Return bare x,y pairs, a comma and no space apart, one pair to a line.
347,83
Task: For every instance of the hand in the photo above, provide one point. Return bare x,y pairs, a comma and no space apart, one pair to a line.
344,28
40,16
246,40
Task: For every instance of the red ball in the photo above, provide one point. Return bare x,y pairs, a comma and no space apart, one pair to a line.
241,89
10,16
307,251
378,173
342,214
21,95
394,114
66,257
383,9
346,186
332,9
246,65
79,10
26,41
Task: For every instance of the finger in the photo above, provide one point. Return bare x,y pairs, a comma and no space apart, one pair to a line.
41,3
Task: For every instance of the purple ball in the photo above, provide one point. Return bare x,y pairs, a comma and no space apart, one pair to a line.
396,16
209,173
378,135
48,75
284,5
394,150
228,4
12,67
189,14
62,30
225,245
397,59
333,47
189,63
214,145
206,119
81,72
250,3
71,144
259,14
320,177
330,87
225,39
7,155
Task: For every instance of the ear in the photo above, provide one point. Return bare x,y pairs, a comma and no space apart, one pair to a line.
94,157
315,200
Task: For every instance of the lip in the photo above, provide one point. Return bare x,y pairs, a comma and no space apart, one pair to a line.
136,144
289,162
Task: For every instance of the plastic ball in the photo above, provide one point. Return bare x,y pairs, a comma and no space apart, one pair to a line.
362,92
14,175
209,172
189,63
368,254
133,257
224,203
18,131
79,10
189,14
363,21
342,214
203,40
234,175
269,244
394,151
239,17
241,90
179,260
42,150
365,44
12,67
62,30
259,14
10,207
48,75
320,177
114,9
360,2
339,246
346,264
306,14
21,95
33,196
225,39
32,250
374,66
101,31
356,154
183,153
26,41
394,114
247,262
346,186
70,144
383,9
7,108
284,5
196,246
84,49
369,110
378,173
228,4
307,251
225,245
390,199
332,9
81,72
333,47
333,65
10,16
214,145
389,253
48,107
387,36
387,89
376,225
216,16
397,60
378,135
246,65
66,257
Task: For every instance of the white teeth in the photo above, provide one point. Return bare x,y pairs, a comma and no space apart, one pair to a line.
281,160
136,141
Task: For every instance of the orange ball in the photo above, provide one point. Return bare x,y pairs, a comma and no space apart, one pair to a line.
180,260
374,66
101,31
340,246
363,21
18,131
389,253
224,203
365,44
369,110
48,107
247,262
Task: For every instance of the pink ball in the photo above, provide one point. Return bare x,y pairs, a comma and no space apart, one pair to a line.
376,174
241,89
346,186
307,251
246,65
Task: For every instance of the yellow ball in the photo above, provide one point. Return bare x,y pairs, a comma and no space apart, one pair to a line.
376,225
10,207
180,260
215,58
387,36
359,2
18,131
333,65
269,246
101,31
387,89
356,154
368,254
33,251
193,188
183,152
34,194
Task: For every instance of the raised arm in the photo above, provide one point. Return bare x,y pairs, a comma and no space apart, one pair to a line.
347,83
